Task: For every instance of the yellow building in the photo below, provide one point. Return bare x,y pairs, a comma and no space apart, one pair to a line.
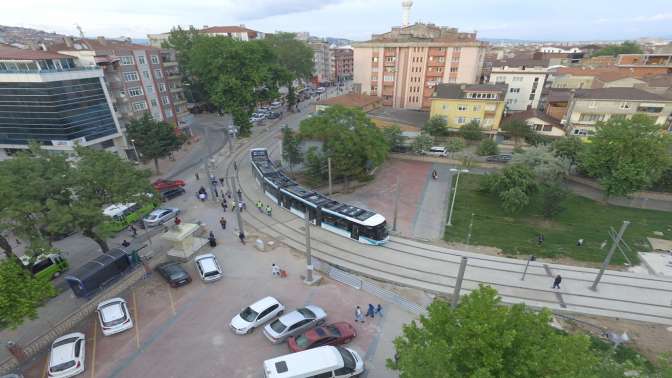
460,104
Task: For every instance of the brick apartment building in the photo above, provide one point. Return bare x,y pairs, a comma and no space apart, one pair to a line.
645,64
342,58
404,65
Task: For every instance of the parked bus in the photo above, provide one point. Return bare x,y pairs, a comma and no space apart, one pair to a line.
47,266
124,214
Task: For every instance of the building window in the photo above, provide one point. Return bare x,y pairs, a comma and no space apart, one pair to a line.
457,50
388,78
514,90
531,97
462,107
150,89
444,107
500,79
460,120
155,59
374,88
153,102
135,91
390,59
126,60
442,59
624,105
141,59
165,100
591,117
374,77
131,76
477,108
139,106
374,59
548,128
453,69
519,78
476,121
169,114
145,74
158,74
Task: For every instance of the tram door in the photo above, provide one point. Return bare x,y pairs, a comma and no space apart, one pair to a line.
355,232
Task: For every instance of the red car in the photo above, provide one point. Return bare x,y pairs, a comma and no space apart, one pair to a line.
332,334
162,185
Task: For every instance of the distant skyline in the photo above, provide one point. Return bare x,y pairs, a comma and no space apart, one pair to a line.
569,20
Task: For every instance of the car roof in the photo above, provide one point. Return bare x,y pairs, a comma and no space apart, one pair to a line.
207,262
263,304
111,311
318,311
306,361
292,317
66,352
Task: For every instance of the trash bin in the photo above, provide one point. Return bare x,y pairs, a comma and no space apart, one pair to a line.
259,244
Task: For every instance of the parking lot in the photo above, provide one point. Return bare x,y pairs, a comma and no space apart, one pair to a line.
184,332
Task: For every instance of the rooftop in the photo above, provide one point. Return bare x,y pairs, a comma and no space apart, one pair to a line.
605,74
618,94
410,117
228,29
457,91
658,80
520,62
531,113
352,100
97,44
13,53
420,32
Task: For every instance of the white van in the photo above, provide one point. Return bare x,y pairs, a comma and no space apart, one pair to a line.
437,151
322,362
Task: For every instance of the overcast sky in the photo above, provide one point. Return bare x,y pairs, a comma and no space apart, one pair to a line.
353,19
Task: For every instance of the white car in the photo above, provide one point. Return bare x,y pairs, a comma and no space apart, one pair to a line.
295,322
208,267
160,216
256,118
437,151
276,104
321,90
256,314
67,356
114,316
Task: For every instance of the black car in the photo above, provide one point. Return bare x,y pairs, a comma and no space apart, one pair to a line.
499,158
174,274
273,115
171,193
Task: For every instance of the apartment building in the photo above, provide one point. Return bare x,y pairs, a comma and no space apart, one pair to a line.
240,33
323,69
50,98
645,64
460,104
342,62
586,107
139,78
525,79
587,77
405,64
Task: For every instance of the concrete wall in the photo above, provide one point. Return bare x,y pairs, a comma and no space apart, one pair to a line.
362,70
471,59
573,82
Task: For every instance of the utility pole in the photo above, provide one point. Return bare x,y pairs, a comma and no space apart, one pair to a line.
396,207
529,259
605,264
458,282
237,209
452,203
329,169
309,259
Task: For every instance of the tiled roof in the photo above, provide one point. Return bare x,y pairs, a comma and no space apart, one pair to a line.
531,113
13,53
618,94
519,62
456,91
658,80
98,45
351,100
558,95
604,74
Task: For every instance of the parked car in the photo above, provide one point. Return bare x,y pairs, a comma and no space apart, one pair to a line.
67,356
160,216
161,184
167,195
321,90
174,274
208,267
293,323
499,158
114,316
274,115
332,334
256,118
437,151
322,362
256,314
276,105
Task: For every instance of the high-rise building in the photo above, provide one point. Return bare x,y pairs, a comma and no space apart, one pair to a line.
342,62
404,65
525,78
323,71
52,99
139,78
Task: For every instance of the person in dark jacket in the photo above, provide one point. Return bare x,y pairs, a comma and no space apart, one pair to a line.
556,282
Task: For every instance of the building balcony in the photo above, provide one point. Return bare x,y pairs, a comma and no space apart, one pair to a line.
389,64
433,74
435,63
176,89
178,101
173,76
169,63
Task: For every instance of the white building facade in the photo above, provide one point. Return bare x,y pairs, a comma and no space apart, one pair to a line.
525,85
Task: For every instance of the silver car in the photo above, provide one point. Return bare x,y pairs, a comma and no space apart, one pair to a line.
294,322
160,216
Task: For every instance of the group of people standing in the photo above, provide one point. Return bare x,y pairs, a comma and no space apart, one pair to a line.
370,312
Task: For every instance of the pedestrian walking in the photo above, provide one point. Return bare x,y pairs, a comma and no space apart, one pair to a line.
370,312
435,174
197,178
540,239
379,310
240,206
125,243
260,206
222,222
358,315
233,205
228,194
221,181
275,270
240,194
131,228
235,166
579,243
224,205
244,205
556,282
268,210
241,236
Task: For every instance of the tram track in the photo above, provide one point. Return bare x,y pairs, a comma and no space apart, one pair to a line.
439,281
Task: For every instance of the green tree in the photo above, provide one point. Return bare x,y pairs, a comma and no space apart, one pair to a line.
291,98
436,126
569,147
627,155
455,145
296,56
290,147
484,338
487,147
471,132
546,166
393,136
627,47
236,75
514,186
182,40
518,130
552,196
154,139
422,143
354,144
314,163
20,294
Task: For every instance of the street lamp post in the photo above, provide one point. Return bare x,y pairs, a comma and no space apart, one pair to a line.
452,202
135,151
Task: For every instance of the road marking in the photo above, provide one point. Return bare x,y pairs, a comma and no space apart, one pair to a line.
172,302
137,320
93,353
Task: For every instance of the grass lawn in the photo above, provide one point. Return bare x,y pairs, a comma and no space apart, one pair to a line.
581,218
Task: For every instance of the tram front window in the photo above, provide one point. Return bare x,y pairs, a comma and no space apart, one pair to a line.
378,232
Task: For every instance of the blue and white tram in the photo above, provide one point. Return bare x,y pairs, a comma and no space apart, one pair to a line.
362,225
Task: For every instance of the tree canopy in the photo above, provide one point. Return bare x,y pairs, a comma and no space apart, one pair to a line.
487,147
153,139
545,165
471,132
627,155
393,136
568,147
354,144
296,56
627,47
181,40
513,185
517,130
290,147
20,293
422,143
483,338
436,126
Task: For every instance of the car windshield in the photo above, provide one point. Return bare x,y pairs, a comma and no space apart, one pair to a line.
64,342
306,313
63,366
302,342
348,359
334,331
277,326
211,273
249,315
110,309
